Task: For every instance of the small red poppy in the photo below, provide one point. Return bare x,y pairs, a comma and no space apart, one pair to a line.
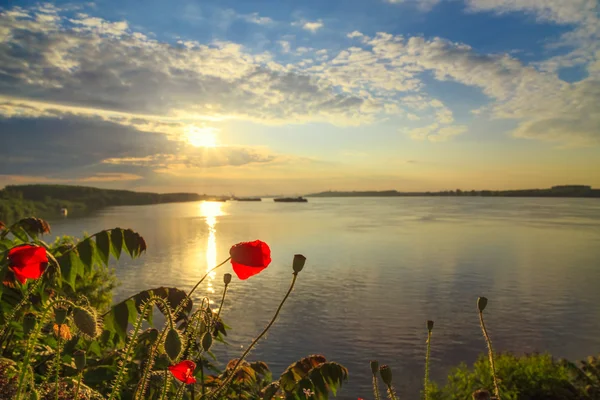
249,258
184,371
27,262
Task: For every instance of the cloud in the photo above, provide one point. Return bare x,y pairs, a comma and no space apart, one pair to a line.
582,15
311,26
436,132
257,19
105,66
424,5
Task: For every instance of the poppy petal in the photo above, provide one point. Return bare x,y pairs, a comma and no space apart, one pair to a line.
184,371
250,258
27,262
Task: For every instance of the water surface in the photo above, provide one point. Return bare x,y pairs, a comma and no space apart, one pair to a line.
377,269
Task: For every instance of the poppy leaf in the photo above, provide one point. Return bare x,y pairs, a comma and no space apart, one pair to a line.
86,253
103,246
116,238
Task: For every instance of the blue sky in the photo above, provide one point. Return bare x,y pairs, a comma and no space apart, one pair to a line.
294,96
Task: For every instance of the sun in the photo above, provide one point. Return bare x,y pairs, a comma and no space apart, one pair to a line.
201,137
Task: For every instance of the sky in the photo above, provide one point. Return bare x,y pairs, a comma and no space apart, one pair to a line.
259,97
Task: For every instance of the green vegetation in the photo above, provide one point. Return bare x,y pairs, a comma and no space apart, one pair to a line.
20,201
555,191
530,377
62,338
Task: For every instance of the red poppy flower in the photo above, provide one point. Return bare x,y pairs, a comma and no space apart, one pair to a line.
249,258
27,262
184,371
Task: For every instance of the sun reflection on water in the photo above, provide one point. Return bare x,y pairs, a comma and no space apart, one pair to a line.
210,210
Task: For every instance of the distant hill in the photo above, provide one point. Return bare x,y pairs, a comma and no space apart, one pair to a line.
555,191
17,201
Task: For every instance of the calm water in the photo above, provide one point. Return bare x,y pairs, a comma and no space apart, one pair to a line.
377,269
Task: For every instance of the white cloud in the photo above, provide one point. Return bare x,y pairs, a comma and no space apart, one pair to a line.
424,5
312,26
257,19
436,132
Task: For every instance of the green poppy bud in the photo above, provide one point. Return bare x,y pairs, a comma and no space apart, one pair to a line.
153,335
60,315
374,366
80,359
299,261
227,278
29,321
207,341
429,325
173,344
386,374
85,320
482,303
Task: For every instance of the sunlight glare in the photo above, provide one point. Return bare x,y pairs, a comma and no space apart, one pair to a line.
201,137
211,210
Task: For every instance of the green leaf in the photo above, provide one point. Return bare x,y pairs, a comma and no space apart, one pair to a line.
121,318
86,253
103,246
71,267
134,243
116,238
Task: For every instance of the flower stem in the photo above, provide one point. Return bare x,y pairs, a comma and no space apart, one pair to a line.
221,305
129,348
427,357
376,388
490,355
79,378
57,366
166,385
189,295
391,393
263,333
11,317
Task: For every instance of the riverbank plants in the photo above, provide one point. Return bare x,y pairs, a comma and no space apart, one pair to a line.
61,338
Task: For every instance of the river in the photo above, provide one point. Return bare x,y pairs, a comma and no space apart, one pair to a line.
377,269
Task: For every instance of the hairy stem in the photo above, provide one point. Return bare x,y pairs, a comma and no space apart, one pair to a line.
79,378
222,301
188,297
32,341
57,362
249,348
376,388
166,385
391,393
11,317
490,355
427,356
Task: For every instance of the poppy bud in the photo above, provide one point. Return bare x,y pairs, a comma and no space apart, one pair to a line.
85,321
481,395
374,367
173,344
28,323
207,341
153,335
429,325
299,261
482,303
80,359
227,278
60,315
386,374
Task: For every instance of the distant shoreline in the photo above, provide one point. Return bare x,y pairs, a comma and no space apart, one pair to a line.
568,191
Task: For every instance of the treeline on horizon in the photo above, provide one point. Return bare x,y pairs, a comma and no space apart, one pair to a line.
17,201
555,191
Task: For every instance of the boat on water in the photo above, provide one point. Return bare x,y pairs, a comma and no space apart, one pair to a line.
298,199
64,212
247,199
